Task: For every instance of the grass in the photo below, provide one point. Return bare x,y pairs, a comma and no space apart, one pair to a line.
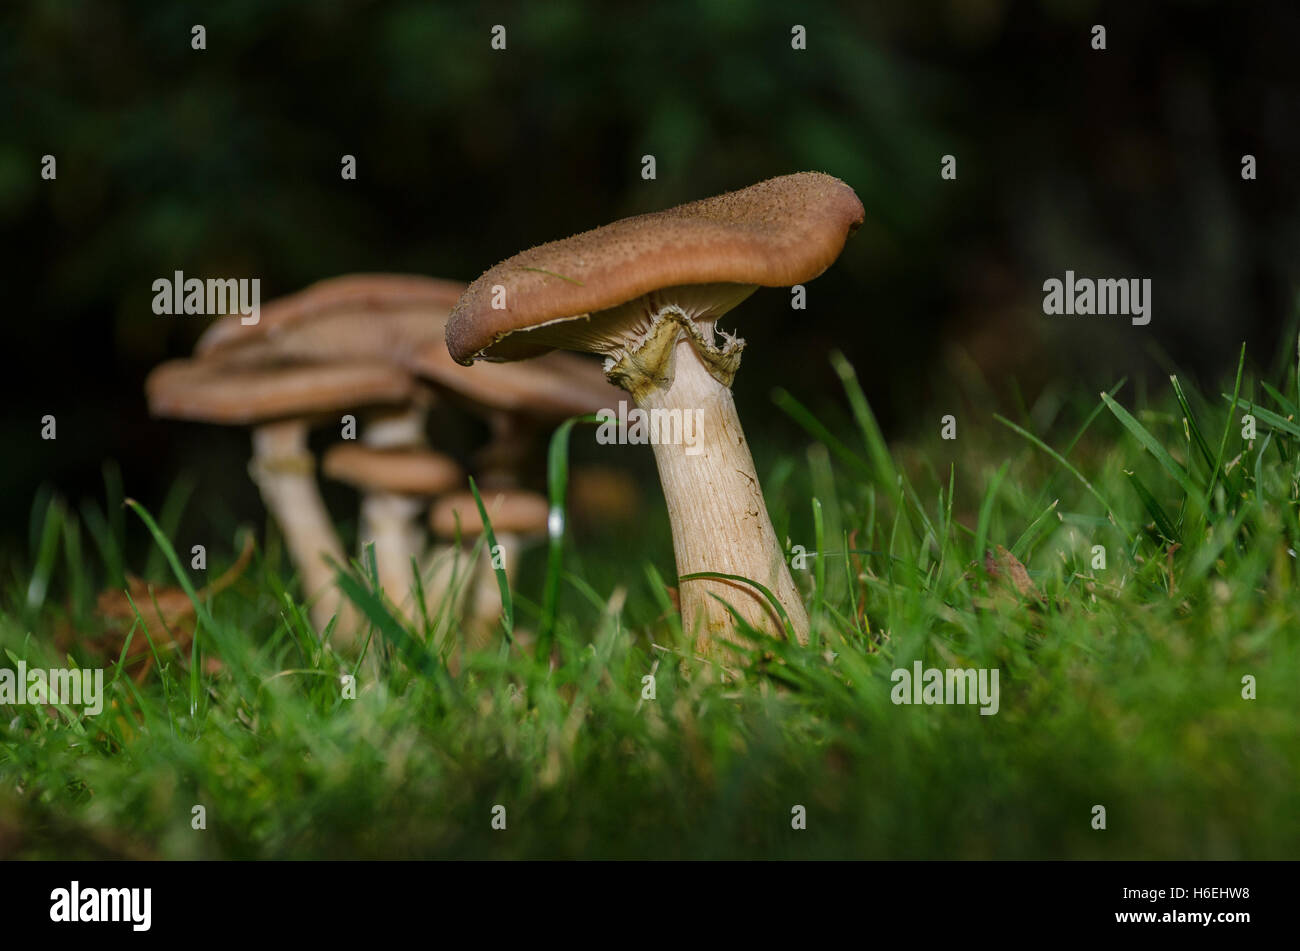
1121,685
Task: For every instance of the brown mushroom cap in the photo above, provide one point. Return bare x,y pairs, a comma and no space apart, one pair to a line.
214,393
403,471
780,232
352,295
402,319
341,336
512,511
552,386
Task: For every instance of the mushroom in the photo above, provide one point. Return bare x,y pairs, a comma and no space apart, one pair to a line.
353,317
647,293
280,404
402,318
517,516
517,401
396,486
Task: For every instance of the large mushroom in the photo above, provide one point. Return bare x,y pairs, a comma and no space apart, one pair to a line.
281,404
646,293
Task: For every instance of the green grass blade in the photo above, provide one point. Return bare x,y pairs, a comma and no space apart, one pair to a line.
877,451
557,485
1228,427
46,552
1092,490
1193,427
1280,423
819,565
503,583
986,511
1164,525
814,427
762,589
169,519
1151,444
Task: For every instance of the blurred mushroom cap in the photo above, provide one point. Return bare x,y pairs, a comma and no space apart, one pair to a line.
403,471
336,303
551,387
511,511
210,392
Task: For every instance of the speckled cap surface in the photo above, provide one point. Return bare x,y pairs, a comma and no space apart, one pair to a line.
780,232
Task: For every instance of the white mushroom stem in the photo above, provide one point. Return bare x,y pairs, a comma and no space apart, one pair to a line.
389,520
396,430
443,565
285,472
477,594
486,607
715,503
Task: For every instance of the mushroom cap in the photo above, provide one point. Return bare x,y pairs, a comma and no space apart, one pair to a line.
511,511
365,296
403,471
780,232
341,336
212,392
402,319
552,386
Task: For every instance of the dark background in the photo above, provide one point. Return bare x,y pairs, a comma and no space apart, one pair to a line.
225,162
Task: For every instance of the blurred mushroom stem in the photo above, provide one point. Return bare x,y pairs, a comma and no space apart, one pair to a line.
392,521
501,460
715,503
481,622
285,472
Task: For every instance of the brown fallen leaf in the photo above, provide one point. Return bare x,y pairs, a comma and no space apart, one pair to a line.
167,613
1001,565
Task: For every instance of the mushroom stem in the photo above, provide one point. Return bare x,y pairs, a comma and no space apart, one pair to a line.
390,521
500,462
396,430
284,470
715,503
486,607
443,569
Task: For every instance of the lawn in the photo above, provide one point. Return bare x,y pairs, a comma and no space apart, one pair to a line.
1127,564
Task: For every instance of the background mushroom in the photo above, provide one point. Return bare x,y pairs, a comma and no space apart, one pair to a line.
402,318
396,486
517,516
646,293
352,317
519,402
281,404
